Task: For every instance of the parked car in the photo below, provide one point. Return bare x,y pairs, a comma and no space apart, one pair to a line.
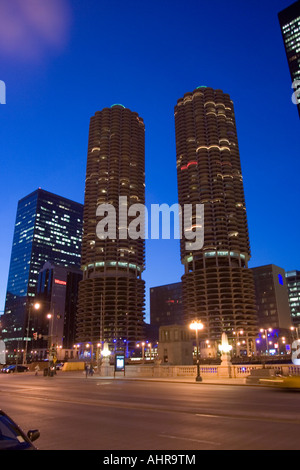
13,438
14,368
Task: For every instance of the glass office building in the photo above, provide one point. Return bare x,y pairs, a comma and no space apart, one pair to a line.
293,283
289,20
47,228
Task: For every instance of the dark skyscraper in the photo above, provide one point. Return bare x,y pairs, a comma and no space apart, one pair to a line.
218,287
272,297
293,284
47,228
112,292
57,293
166,305
289,20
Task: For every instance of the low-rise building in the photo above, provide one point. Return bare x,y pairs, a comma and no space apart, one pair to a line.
175,346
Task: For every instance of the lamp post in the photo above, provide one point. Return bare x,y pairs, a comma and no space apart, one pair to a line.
99,346
90,347
50,317
150,350
197,326
283,340
52,350
237,342
76,347
36,306
265,331
143,350
293,328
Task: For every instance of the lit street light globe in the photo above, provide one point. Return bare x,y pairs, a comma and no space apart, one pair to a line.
197,326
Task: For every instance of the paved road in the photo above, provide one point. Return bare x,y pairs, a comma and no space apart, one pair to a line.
75,413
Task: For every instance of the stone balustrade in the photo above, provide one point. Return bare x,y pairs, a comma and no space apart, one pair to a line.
206,371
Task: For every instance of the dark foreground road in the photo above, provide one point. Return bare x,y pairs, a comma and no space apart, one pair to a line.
74,413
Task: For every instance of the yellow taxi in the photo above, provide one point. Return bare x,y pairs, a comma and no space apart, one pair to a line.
289,382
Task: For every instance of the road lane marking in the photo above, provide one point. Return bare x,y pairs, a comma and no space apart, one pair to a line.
199,441
249,418
144,407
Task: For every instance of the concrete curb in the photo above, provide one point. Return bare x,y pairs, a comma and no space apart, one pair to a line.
236,382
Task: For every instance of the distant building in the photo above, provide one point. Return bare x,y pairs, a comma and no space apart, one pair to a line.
166,305
57,293
272,298
293,283
175,346
151,332
48,227
289,20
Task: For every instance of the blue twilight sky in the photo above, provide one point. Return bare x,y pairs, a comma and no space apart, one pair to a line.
62,60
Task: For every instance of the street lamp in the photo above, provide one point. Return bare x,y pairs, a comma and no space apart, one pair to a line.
36,306
90,349
293,328
150,350
143,350
237,342
99,346
52,357
50,328
283,339
197,326
264,330
76,347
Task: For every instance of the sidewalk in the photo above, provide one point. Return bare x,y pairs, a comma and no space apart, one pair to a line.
183,380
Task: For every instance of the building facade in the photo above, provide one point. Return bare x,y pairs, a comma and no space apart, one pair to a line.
272,298
175,346
293,284
48,227
217,286
166,305
112,292
289,20
54,322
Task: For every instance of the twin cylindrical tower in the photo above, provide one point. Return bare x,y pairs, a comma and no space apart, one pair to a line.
218,287
112,292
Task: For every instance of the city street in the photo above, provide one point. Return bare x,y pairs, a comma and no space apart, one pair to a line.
73,412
